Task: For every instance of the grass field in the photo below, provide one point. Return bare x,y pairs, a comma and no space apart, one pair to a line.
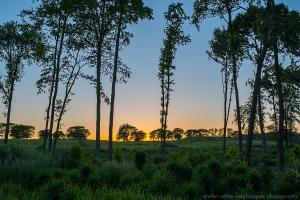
194,143
197,169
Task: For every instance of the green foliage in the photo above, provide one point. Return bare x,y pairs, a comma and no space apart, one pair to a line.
118,155
30,174
161,183
139,159
287,182
183,171
20,131
77,132
126,132
296,152
131,178
198,157
232,153
215,167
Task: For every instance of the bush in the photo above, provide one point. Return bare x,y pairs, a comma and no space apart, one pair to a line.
296,152
287,182
183,171
131,178
162,183
215,167
196,158
139,159
232,153
118,155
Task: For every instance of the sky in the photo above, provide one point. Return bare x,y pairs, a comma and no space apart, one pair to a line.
197,97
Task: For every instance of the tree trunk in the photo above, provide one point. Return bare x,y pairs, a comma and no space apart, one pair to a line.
280,96
257,85
9,111
261,124
234,74
225,88
68,90
57,70
98,93
113,87
48,113
286,132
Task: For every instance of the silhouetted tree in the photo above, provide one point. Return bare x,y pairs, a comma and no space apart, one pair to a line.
175,18
78,132
17,42
19,131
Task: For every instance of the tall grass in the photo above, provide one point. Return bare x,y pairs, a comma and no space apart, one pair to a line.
76,173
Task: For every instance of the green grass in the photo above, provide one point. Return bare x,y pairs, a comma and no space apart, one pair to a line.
196,168
194,143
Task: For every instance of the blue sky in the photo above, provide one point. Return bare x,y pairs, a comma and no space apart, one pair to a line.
197,99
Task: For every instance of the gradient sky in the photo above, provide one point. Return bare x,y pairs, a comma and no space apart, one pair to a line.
197,99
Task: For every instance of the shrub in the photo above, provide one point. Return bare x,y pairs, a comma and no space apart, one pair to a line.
118,155
86,170
287,182
255,180
215,167
296,152
183,171
148,170
193,190
131,178
232,153
112,172
54,189
139,159
196,158
162,183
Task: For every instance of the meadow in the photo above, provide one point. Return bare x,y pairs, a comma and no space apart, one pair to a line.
196,169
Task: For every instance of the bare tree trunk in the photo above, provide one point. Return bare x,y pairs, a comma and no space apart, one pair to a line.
48,113
113,87
9,111
280,96
225,88
98,93
257,85
261,124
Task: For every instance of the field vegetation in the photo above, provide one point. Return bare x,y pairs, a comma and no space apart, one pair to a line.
197,168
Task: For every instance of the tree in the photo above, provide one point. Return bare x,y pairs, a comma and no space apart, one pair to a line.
3,128
125,132
140,12
16,45
220,53
175,17
155,134
54,19
72,65
178,133
138,135
212,8
19,131
77,132
43,133
279,91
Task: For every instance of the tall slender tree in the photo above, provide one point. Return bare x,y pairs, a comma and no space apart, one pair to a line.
132,11
175,18
219,53
211,8
17,43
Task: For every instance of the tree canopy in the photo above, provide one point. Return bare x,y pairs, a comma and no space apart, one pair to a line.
77,132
